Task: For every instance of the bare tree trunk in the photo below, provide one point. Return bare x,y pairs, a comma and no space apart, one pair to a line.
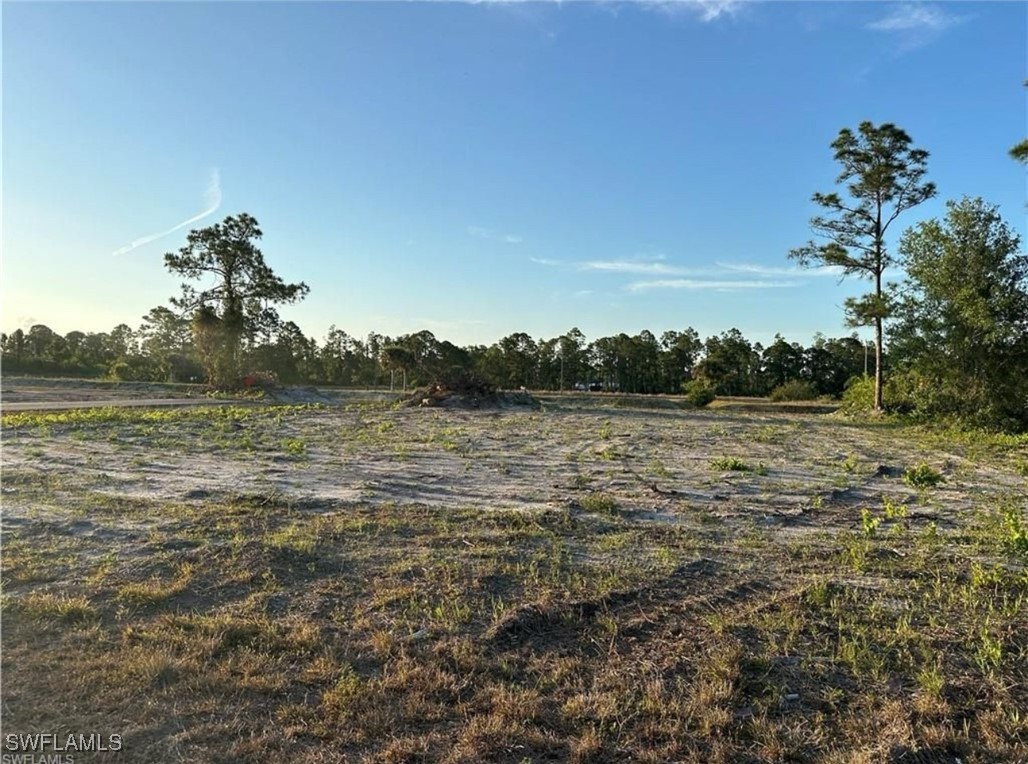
879,267
878,363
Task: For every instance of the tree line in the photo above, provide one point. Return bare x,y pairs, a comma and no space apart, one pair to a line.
957,324
164,348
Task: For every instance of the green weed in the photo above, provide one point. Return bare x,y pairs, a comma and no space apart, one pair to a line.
922,477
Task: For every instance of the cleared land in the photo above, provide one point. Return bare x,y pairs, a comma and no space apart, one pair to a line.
581,582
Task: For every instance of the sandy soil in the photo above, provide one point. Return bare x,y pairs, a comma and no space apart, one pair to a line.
24,390
806,471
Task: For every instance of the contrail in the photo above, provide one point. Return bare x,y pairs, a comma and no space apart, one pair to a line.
212,198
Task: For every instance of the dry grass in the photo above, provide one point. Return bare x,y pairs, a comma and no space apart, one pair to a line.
631,621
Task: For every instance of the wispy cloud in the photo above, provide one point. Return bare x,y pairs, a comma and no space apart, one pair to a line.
914,24
212,200
707,284
479,232
633,266
915,16
719,276
705,10
764,270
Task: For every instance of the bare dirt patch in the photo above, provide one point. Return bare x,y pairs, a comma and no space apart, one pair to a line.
583,582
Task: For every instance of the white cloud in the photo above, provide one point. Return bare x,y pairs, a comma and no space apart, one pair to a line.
909,17
707,10
707,284
633,266
655,265
212,200
512,239
763,270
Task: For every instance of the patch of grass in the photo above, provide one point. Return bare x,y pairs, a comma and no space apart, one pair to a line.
297,537
729,464
1015,530
295,447
922,477
54,607
657,469
869,523
598,502
581,480
892,510
154,591
768,434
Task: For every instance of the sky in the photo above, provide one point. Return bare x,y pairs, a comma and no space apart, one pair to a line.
481,168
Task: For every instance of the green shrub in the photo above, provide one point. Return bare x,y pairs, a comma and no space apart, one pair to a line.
1016,532
922,476
729,463
135,368
794,390
859,394
698,392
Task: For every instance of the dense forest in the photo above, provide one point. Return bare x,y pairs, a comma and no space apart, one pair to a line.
163,349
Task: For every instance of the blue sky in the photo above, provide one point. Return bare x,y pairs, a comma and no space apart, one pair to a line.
482,168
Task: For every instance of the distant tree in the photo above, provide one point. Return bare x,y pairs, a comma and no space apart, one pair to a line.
40,340
208,338
520,354
121,342
830,363
14,343
884,178
573,357
963,317
678,357
452,360
397,358
338,357
73,342
644,359
291,355
244,291
781,362
730,364
165,336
